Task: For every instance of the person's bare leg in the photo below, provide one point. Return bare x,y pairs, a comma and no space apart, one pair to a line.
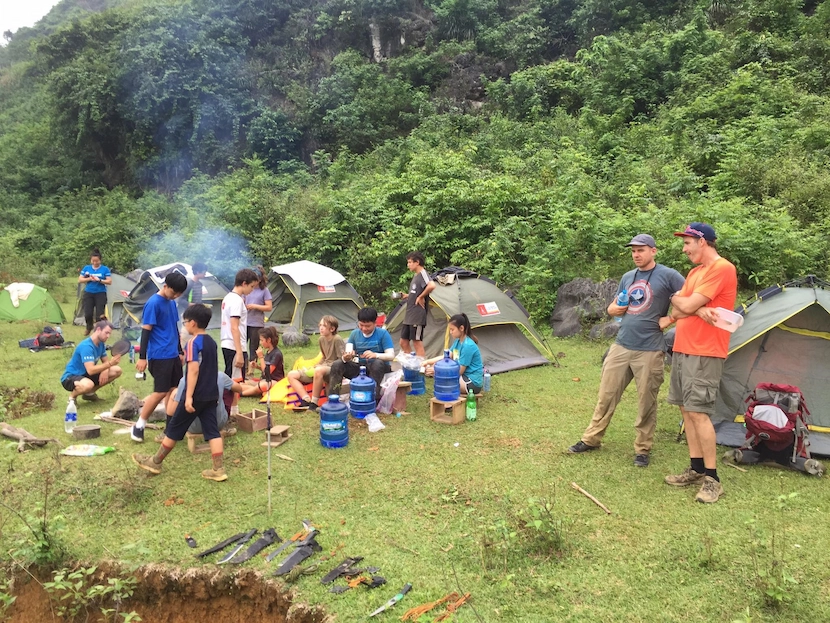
704,438
419,348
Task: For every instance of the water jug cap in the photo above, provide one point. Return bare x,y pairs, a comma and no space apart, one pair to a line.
334,398
447,353
363,369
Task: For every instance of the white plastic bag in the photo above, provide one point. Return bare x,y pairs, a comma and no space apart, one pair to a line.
409,361
389,386
374,423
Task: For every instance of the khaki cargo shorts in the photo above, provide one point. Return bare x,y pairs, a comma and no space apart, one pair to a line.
694,382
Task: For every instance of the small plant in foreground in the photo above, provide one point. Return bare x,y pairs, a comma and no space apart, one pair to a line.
542,528
78,594
6,598
772,578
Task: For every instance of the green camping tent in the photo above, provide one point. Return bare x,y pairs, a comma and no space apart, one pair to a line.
501,325
303,292
117,293
785,338
26,301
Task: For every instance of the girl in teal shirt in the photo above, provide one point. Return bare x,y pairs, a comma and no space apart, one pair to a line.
464,350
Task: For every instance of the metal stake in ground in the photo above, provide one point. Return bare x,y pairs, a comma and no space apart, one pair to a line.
266,372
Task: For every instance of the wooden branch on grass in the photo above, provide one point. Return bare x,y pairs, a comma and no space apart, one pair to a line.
740,469
590,497
23,437
117,420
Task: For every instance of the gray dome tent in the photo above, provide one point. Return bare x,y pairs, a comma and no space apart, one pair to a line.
117,293
501,325
303,292
213,291
785,339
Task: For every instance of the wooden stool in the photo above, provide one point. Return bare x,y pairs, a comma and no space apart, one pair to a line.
400,396
279,435
438,411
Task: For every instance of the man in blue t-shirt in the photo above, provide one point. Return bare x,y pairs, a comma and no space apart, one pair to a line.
160,350
638,351
369,346
83,375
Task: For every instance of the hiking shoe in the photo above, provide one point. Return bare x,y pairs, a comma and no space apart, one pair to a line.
641,460
145,461
219,475
313,406
93,397
686,478
710,492
137,434
581,446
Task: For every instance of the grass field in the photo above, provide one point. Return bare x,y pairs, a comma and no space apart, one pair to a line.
445,507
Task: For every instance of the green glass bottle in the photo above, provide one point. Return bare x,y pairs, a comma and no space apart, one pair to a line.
471,406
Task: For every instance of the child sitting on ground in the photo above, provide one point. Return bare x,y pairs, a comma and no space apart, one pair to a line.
201,395
331,349
268,355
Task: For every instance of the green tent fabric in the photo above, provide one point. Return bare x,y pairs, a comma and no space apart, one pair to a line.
213,291
501,325
38,305
303,292
785,338
117,293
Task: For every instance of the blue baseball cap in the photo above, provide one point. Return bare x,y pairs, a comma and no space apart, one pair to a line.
699,230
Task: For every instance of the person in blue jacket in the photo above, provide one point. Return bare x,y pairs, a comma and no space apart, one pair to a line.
97,277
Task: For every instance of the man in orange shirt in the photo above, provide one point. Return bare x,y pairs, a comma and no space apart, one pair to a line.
700,348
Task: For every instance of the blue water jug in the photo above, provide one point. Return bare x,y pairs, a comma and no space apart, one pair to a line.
334,423
447,375
416,378
362,395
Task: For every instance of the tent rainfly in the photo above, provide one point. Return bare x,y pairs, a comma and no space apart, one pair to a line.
27,301
785,338
303,292
117,293
213,291
501,324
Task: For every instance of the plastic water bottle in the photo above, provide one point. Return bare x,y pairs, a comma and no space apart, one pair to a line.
362,395
132,354
471,406
486,384
334,423
447,375
71,418
416,378
622,301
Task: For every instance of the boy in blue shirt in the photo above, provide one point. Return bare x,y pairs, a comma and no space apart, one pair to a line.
201,395
160,347
371,346
83,376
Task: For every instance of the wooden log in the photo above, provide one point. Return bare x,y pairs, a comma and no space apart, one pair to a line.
86,431
117,420
23,437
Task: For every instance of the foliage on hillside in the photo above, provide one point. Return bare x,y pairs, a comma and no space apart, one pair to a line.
525,139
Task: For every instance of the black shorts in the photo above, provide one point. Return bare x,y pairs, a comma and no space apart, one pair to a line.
69,383
470,385
205,410
413,332
166,374
229,355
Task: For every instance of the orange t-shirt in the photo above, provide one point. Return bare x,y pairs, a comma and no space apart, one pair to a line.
719,283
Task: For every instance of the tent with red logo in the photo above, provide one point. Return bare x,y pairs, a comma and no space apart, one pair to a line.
303,292
500,323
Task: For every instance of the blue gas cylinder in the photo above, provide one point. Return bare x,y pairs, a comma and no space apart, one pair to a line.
447,375
334,423
416,378
362,395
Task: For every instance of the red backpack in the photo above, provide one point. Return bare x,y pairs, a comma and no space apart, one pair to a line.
776,418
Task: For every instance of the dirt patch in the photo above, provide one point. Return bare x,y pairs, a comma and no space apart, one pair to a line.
18,402
165,595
